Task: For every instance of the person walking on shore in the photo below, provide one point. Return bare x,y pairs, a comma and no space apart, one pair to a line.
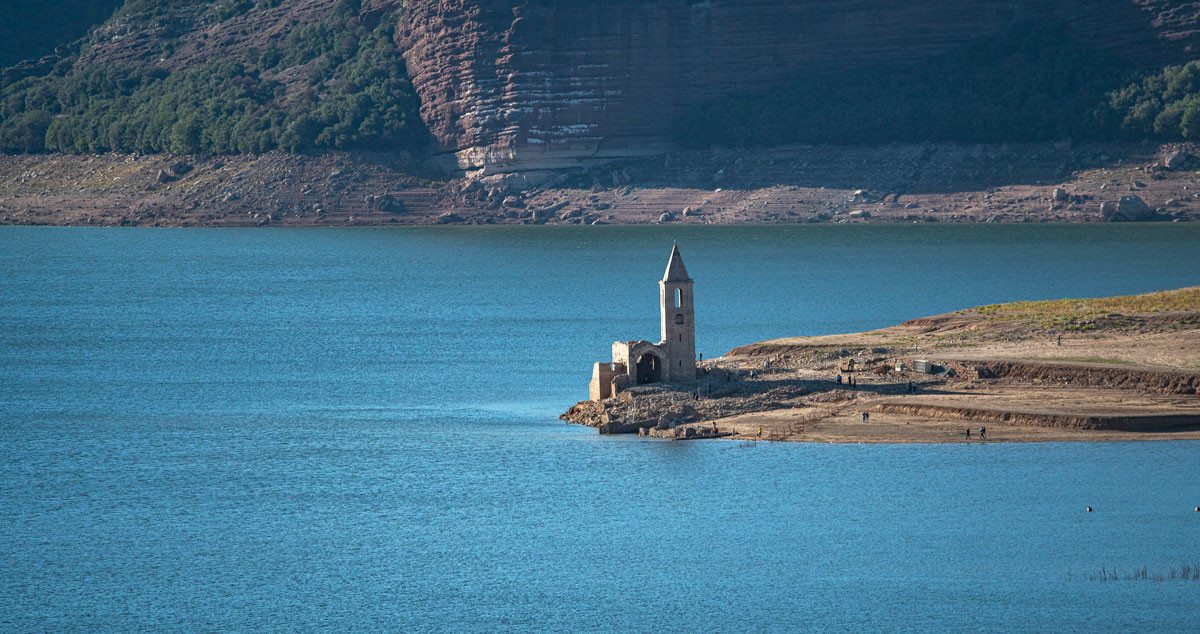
983,433
968,433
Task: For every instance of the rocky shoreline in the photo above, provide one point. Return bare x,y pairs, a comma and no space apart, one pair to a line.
810,184
1130,376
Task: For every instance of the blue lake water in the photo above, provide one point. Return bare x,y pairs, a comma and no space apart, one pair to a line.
357,429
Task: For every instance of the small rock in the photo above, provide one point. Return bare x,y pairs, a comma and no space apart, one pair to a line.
666,217
448,218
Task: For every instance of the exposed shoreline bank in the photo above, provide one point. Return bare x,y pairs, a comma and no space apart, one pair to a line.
1071,370
1003,183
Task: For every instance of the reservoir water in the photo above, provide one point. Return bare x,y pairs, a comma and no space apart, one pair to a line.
357,430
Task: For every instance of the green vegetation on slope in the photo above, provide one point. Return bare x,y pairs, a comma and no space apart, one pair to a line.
1162,105
1033,84
358,95
1180,299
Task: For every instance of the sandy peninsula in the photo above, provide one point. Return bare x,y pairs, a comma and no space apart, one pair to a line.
1107,369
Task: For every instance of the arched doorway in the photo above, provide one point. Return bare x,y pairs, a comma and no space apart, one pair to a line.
649,369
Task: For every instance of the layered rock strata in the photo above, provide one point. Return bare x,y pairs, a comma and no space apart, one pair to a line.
543,84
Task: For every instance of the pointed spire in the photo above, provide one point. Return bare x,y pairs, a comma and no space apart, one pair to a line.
675,270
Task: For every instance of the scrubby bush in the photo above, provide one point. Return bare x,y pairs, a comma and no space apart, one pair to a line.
1162,105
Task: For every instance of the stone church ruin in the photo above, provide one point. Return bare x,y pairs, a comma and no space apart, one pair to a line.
671,360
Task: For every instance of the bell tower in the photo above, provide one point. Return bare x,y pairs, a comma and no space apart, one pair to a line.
678,325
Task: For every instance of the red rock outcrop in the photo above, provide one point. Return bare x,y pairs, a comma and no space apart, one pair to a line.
521,84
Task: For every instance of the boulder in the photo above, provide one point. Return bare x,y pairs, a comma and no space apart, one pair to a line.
666,217
1108,210
1133,209
386,203
1178,160
1061,195
164,176
448,218
549,209
615,427
513,201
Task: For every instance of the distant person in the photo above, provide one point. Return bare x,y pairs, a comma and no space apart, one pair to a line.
983,433
968,433
866,417
839,379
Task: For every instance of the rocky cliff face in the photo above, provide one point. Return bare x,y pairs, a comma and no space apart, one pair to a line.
529,84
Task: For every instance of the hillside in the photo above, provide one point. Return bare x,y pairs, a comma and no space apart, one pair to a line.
626,111
545,83
232,76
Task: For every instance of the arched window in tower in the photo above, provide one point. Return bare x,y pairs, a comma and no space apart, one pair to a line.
679,319
678,298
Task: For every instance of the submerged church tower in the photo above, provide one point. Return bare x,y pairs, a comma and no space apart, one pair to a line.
678,327
671,360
